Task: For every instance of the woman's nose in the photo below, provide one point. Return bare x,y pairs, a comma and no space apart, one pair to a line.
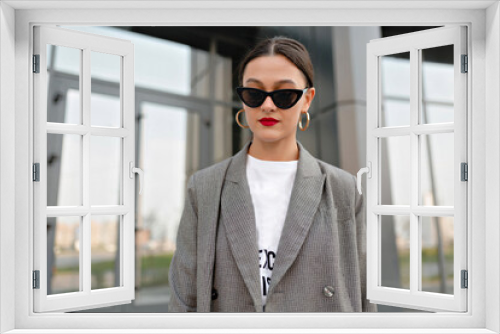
268,104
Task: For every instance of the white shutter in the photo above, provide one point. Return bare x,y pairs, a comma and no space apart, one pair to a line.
85,297
410,132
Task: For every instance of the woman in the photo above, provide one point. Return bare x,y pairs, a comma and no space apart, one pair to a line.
271,229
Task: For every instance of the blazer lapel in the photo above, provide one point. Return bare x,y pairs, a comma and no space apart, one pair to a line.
305,197
237,207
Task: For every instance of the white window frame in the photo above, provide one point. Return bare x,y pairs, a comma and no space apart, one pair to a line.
86,297
415,43
16,21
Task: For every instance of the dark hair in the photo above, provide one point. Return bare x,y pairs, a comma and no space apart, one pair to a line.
292,49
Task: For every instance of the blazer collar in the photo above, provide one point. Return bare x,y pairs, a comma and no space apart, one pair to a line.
241,228
307,165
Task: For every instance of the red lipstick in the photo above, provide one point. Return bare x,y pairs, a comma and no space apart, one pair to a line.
268,121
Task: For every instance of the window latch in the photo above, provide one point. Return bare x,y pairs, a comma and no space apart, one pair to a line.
363,170
133,170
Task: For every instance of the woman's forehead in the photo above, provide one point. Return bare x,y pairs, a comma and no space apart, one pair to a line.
276,82
273,70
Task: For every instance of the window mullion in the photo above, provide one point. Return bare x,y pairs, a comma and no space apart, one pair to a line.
86,228
414,230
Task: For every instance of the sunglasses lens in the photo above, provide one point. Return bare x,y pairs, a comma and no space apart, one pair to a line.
285,99
252,98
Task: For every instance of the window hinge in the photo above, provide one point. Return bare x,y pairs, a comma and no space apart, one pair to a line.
465,64
465,279
36,172
36,63
464,171
36,279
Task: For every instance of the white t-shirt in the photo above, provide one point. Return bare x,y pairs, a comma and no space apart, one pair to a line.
270,184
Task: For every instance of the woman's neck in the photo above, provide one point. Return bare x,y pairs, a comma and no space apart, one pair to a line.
275,151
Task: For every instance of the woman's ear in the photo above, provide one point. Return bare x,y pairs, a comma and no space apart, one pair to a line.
309,97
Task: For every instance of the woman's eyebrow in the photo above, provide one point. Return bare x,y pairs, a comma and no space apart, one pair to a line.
277,82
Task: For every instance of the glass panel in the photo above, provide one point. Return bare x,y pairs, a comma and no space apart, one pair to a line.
105,170
437,254
395,170
200,72
57,112
105,110
395,251
160,64
396,113
437,85
66,59
438,113
437,169
105,251
395,94
72,106
64,167
166,136
63,257
105,66
172,70
223,78
105,86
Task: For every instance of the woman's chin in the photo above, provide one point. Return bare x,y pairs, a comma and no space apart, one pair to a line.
267,137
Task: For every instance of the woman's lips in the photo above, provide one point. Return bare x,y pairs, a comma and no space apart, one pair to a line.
268,122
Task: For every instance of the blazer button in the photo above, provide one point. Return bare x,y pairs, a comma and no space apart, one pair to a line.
215,294
328,291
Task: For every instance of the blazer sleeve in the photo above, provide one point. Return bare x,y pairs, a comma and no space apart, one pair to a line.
182,272
361,242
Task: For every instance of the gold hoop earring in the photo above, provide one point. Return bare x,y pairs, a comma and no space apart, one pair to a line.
238,121
300,122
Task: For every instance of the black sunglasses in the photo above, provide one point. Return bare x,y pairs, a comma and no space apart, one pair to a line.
282,98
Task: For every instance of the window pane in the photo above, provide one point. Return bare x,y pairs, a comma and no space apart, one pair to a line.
164,153
396,113
395,251
57,110
105,110
63,258
160,64
395,170
437,84
437,254
166,139
105,251
395,95
200,72
438,112
105,66
64,166
72,106
105,170
105,87
437,169
66,59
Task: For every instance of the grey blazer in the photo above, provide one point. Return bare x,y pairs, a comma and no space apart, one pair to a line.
320,265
